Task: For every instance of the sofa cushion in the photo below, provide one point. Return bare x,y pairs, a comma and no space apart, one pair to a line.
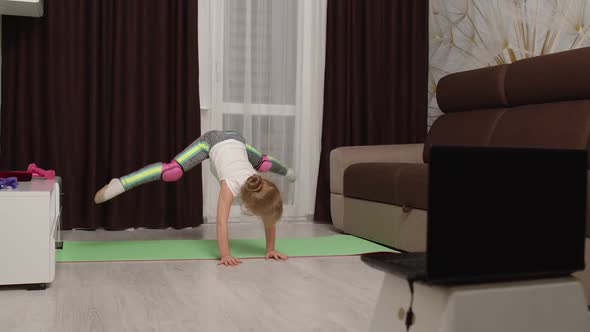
341,158
549,78
470,90
553,125
371,181
412,186
403,184
465,128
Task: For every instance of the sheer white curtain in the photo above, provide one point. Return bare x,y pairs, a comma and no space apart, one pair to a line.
266,64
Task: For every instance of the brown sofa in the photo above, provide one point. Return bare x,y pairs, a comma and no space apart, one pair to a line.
380,192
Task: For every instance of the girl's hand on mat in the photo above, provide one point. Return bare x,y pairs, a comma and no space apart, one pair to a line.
276,255
229,261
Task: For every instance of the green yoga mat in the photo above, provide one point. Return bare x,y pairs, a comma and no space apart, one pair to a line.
96,251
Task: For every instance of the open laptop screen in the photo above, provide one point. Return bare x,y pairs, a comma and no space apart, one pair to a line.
505,212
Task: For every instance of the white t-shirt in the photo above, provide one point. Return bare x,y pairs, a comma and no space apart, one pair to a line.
229,163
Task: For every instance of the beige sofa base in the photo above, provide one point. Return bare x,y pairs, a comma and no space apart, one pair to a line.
385,223
337,210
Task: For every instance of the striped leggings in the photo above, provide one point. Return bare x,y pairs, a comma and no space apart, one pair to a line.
195,154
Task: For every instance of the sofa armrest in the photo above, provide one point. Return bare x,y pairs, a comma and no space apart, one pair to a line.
341,158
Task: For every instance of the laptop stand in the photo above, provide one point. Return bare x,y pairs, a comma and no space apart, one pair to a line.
546,305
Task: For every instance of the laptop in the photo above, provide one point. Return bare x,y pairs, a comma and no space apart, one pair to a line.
499,214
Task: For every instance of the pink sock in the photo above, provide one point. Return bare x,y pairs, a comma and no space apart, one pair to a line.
171,171
266,164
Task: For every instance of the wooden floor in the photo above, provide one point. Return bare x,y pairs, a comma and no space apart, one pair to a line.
304,294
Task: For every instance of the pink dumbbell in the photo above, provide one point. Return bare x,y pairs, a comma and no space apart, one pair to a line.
48,174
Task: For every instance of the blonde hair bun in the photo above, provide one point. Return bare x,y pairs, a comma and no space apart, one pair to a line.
262,198
254,183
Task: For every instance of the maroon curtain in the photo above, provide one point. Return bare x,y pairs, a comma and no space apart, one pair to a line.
97,89
375,88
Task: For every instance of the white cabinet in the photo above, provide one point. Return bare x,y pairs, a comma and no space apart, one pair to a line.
33,8
29,225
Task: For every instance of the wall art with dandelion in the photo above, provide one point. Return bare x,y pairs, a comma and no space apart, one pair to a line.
469,34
